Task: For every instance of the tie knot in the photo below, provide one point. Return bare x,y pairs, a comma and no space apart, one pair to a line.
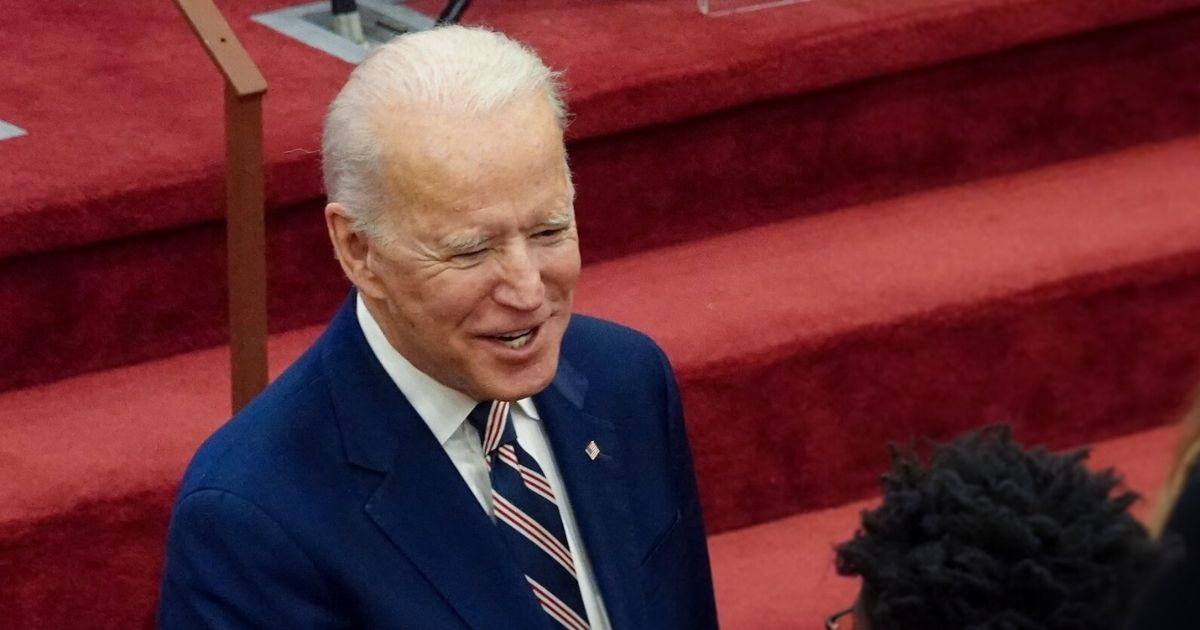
491,419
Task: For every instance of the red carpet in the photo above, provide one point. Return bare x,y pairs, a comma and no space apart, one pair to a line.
846,222
794,111
149,101
924,315
921,315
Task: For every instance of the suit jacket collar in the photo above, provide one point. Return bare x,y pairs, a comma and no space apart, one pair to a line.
366,403
431,516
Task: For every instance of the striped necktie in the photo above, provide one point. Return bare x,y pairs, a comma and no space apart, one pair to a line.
528,519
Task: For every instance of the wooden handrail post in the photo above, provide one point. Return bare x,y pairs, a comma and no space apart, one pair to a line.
244,199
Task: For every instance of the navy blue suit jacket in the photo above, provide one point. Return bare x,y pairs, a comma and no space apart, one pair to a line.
328,503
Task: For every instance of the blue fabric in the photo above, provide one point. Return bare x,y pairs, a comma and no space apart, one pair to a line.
536,562
328,503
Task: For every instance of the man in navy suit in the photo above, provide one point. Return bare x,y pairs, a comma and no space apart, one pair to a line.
457,450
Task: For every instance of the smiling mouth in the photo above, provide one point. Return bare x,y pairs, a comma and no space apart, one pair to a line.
517,338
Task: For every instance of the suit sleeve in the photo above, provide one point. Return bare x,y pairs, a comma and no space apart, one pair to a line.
700,607
230,565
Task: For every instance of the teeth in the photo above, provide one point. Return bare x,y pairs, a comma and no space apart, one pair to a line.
516,340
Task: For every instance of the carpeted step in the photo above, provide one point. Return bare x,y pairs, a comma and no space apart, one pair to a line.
685,127
780,575
1060,300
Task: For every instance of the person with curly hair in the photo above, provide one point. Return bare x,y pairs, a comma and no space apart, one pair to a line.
989,535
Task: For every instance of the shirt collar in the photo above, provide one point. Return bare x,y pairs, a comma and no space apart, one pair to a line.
442,408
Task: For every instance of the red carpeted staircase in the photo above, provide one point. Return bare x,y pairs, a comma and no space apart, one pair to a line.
845,223
684,127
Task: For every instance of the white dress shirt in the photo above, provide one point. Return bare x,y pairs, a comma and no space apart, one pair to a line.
445,411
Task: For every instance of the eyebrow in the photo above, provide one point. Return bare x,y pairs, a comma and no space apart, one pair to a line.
463,242
561,219
469,242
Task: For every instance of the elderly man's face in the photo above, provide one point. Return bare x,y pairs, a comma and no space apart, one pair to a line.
474,283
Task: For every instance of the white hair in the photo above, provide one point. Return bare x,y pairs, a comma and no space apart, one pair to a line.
471,71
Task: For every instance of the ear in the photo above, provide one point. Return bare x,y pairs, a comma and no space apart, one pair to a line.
353,251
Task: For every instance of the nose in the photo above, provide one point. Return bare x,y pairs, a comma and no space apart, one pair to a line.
520,286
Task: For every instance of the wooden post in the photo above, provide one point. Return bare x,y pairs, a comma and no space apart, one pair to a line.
244,218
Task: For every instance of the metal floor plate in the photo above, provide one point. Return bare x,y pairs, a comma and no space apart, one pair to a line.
312,24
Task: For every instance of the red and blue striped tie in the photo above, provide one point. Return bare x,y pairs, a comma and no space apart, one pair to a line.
528,519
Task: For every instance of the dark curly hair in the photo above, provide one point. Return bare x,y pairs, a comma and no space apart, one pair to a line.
991,536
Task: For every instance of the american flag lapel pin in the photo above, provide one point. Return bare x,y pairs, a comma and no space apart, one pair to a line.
592,450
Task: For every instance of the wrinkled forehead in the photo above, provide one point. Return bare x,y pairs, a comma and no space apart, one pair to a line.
437,157
427,151
436,164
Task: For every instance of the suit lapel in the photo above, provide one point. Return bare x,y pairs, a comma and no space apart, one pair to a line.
427,511
597,492
422,504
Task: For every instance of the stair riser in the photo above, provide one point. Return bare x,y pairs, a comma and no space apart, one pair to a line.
96,567
807,430
876,139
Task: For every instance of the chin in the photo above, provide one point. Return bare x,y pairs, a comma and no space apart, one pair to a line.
529,382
